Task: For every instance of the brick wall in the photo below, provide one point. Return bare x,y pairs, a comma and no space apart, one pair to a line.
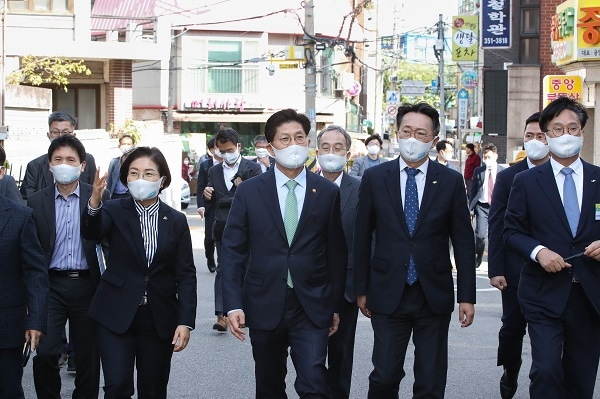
119,97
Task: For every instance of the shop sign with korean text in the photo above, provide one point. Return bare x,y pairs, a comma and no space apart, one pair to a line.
575,32
562,86
495,24
465,43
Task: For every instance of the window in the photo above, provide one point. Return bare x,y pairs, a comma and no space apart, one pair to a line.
41,6
529,50
530,21
82,101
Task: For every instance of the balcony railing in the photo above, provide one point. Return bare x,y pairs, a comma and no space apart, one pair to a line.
227,80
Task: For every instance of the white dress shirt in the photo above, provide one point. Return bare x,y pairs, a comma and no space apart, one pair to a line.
230,171
419,178
282,190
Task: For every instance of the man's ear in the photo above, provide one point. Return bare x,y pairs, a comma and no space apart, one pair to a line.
83,166
270,149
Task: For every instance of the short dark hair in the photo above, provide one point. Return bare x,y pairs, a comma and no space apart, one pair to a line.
155,156
283,116
373,137
2,156
339,129
557,106
441,145
420,108
490,147
67,140
535,117
59,116
471,146
227,134
260,139
125,136
211,143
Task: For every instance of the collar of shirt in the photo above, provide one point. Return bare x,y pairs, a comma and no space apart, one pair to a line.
337,181
215,162
235,165
58,194
281,179
530,164
151,210
422,168
577,167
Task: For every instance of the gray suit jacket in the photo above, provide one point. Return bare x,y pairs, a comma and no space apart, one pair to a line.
360,165
24,282
477,184
348,203
114,169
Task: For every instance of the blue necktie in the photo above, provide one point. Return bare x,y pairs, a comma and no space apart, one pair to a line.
411,212
570,201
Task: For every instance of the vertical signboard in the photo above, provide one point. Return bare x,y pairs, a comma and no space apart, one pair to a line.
463,106
464,38
575,32
562,86
495,24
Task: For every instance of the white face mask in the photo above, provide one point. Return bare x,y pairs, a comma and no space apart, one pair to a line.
373,149
291,157
230,157
142,190
186,162
413,150
261,152
125,148
447,155
332,163
536,150
565,146
65,174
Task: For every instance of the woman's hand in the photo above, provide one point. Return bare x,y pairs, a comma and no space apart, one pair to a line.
99,187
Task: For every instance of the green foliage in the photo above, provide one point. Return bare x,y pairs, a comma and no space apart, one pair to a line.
130,128
38,70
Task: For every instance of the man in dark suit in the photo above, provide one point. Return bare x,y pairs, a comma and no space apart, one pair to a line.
412,206
263,158
552,222
504,266
24,287
207,211
333,149
445,151
114,185
73,269
37,174
284,264
482,189
223,180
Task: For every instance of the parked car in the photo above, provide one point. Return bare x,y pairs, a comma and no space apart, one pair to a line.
185,193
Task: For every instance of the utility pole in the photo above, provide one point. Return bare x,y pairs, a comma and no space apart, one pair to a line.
439,52
310,73
2,71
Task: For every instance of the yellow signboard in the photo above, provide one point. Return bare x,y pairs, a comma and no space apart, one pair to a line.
575,32
562,86
293,65
465,37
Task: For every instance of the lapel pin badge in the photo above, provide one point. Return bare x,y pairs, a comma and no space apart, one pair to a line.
434,182
594,181
314,190
165,218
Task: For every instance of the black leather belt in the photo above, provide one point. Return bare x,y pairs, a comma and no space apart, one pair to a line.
74,274
144,300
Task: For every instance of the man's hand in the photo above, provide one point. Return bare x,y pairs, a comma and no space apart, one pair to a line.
33,336
207,193
237,321
181,338
265,161
98,189
238,180
551,261
335,323
201,212
361,301
498,282
466,313
593,250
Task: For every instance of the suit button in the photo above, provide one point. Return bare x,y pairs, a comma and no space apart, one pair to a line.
405,266
146,278
412,243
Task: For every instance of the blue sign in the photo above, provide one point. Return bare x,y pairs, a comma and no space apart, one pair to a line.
495,24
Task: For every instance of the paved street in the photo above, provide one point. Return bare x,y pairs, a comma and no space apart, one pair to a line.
217,365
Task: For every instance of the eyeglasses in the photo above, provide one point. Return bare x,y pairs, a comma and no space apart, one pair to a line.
287,140
421,135
373,144
558,131
336,149
60,132
137,175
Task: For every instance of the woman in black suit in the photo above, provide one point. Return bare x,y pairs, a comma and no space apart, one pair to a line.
145,304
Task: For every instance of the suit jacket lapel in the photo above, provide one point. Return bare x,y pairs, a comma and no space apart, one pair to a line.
132,220
344,194
268,193
50,213
4,213
47,175
547,183
392,180
164,227
590,186
429,192
310,201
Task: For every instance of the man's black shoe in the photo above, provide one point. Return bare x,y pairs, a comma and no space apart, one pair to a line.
211,265
508,384
71,364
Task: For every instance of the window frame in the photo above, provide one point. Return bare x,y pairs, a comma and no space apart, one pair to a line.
31,7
